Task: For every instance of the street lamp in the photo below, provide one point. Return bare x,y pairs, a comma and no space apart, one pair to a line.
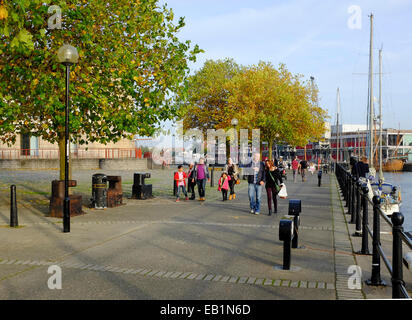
68,56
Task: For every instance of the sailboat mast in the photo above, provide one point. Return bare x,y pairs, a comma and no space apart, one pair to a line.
371,116
380,115
337,126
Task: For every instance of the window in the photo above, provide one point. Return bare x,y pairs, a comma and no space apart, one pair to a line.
25,144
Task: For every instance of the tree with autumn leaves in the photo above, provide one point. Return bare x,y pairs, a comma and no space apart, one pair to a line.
282,105
131,76
207,104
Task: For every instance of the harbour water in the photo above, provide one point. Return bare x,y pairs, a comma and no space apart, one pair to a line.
404,180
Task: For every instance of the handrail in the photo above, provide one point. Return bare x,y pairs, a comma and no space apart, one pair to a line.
348,187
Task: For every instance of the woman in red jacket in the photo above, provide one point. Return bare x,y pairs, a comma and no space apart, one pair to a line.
180,179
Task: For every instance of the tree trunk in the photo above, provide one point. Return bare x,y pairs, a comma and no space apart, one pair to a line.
270,147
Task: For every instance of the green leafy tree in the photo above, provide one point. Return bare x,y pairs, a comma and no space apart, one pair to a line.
131,76
207,102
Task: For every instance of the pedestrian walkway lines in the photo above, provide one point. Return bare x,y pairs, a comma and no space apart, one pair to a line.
270,226
342,243
180,275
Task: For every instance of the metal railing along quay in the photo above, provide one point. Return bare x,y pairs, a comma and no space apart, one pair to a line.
355,194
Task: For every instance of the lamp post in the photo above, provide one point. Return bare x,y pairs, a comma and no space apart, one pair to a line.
234,123
68,56
173,149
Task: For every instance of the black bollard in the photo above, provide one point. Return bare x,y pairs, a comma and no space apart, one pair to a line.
212,176
358,227
13,208
174,185
349,194
286,255
319,178
353,199
295,208
286,235
375,279
347,178
397,273
365,235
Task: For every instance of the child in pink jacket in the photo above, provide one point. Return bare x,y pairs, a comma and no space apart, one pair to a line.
224,185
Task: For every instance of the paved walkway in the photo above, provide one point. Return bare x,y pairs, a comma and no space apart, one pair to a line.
159,249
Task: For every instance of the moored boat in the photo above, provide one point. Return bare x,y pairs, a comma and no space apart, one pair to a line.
392,165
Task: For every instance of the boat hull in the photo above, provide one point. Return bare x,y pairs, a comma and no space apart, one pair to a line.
392,165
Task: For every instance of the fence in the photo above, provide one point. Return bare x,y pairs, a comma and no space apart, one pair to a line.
357,201
98,153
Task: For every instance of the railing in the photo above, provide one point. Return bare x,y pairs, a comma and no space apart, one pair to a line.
355,195
95,153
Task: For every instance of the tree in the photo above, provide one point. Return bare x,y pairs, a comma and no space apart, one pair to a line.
132,73
277,103
207,101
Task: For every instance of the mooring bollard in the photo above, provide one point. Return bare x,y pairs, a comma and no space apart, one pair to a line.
286,235
397,273
375,279
13,208
295,208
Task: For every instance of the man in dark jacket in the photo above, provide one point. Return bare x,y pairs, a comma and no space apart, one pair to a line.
362,167
303,167
256,180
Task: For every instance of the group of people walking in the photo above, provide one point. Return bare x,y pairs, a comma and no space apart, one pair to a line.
263,174
196,176
260,174
299,167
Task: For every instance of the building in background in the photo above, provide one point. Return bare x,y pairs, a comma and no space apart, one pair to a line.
30,147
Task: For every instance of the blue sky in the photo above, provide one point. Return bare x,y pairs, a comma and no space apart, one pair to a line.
312,38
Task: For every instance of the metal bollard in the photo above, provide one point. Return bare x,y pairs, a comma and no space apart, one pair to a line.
286,235
319,178
212,175
365,235
346,190
349,195
174,185
375,279
295,208
358,227
397,273
353,199
13,208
